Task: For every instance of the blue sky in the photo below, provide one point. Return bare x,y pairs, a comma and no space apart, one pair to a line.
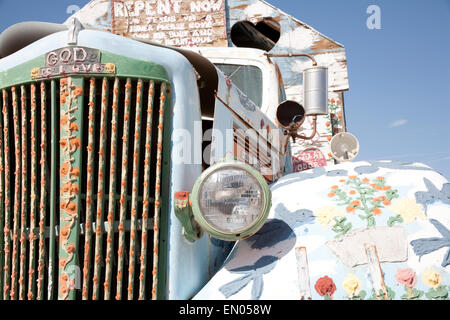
398,104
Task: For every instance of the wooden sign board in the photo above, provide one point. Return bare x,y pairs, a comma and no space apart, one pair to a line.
178,23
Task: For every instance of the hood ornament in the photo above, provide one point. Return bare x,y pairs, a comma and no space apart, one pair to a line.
75,27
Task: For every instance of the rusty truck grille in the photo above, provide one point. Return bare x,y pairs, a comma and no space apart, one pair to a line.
80,194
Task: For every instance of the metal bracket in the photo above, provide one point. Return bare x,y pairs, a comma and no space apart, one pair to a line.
75,27
183,211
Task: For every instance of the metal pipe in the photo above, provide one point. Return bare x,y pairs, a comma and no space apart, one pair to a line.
291,55
297,136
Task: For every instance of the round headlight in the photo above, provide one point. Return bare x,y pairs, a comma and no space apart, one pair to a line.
231,201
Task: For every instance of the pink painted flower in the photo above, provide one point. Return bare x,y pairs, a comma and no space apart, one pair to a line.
406,277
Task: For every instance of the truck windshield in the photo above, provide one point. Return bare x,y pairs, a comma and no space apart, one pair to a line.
247,78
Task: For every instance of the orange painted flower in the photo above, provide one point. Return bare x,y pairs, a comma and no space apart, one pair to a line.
352,192
351,209
331,195
365,180
377,212
356,203
328,124
353,177
65,169
334,187
333,101
387,202
78,91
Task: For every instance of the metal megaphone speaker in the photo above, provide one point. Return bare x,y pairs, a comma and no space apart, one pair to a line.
344,147
290,115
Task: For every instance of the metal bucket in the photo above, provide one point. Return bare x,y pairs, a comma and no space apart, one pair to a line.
315,86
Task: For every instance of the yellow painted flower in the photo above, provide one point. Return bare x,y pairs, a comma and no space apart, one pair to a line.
432,278
325,216
352,285
409,210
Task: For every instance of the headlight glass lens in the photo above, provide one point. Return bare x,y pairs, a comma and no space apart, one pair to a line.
231,200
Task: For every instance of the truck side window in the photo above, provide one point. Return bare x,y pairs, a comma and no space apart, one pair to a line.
247,78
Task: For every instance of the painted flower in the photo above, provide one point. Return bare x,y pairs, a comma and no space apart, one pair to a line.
432,278
352,285
78,91
325,287
377,212
326,215
409,210
406,277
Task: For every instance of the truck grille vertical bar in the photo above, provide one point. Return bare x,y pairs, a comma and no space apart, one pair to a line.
2,208
146,198
17,193
101,190
43,198
33,198
71,90
24,196
7,227
123,195
163,99
112,190
134,200
53,189
89,189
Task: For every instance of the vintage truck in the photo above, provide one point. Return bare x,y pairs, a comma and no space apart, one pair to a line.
134,170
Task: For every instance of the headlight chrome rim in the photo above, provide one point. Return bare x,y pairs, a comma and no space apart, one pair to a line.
252,228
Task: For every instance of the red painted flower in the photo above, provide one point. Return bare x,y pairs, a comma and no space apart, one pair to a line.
325,287
406,277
